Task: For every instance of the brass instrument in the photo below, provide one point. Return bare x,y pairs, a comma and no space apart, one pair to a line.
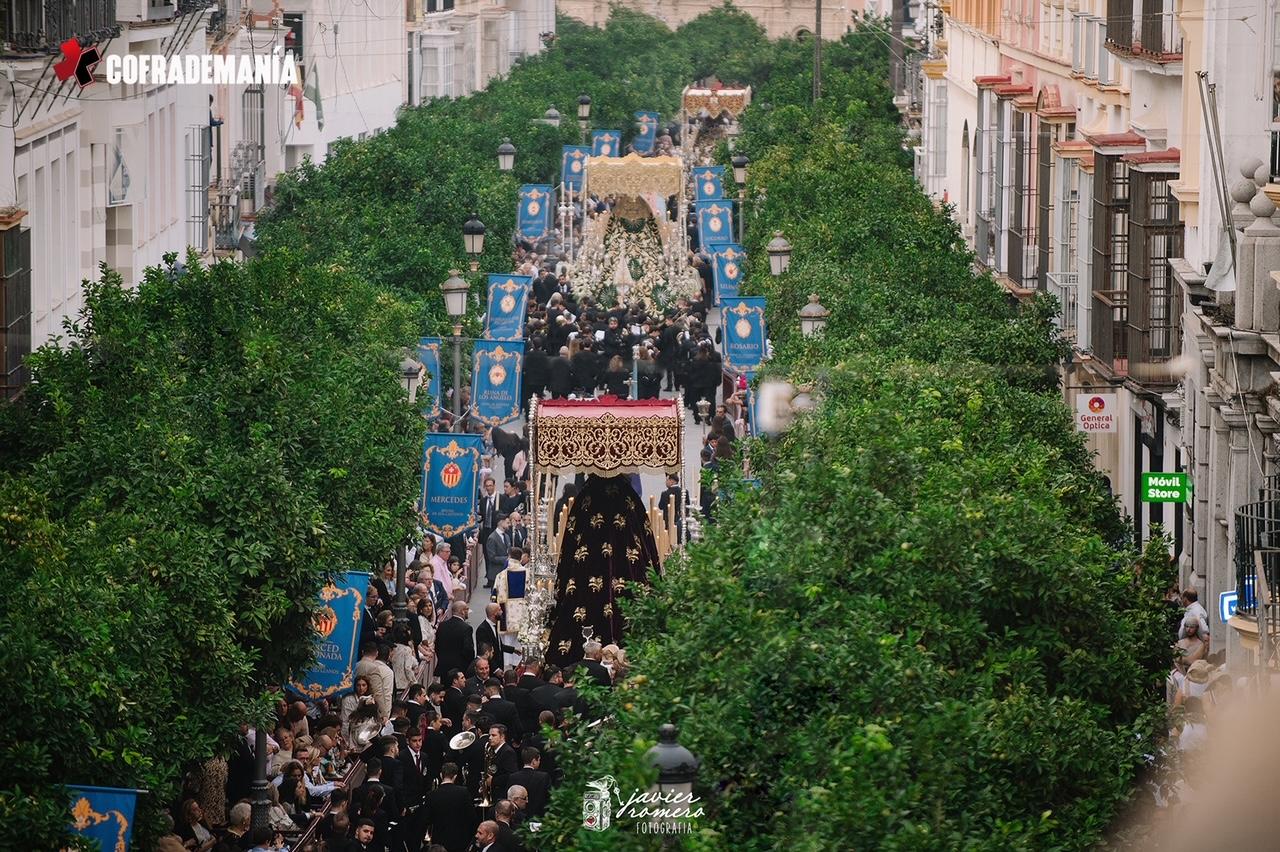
490,770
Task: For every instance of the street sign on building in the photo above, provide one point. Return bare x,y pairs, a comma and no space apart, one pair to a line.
1096,412
1227,603
1166,487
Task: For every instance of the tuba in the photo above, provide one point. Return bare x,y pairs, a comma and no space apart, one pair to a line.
490,770
363,731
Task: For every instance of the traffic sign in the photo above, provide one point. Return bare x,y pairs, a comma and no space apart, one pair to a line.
1166,487
1227,603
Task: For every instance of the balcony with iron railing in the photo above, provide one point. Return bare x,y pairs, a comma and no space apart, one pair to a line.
39,26
1065,286
1257,566
1144,29
1110,329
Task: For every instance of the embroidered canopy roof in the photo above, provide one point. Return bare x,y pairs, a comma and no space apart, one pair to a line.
608,436
633,175
716,102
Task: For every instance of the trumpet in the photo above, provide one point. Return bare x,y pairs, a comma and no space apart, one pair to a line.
490,770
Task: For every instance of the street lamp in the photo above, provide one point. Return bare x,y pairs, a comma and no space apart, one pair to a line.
584,107
473,238
813,317
779,254
455,302
551,116
506,156
411,377
677,768
740,162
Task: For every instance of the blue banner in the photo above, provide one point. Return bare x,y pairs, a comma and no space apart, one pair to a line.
744,333
646,131
429,358
537,206
337,625
508,296
496,378
715,223
573,165
708,183
606,143
728,268
104,815
450,481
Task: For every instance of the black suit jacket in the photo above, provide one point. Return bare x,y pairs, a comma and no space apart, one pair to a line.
455,646
413,777
485,633
505,762
490,507
547,697
598,673
508,841
525,708
508,504
506,713
455,707
538,783
450,816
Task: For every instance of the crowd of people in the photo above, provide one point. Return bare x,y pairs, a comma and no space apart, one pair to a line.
420,785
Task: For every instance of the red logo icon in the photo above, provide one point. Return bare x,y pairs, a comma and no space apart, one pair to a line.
76,62
1097,404
451,475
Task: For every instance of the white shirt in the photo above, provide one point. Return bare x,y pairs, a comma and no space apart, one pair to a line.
1195,611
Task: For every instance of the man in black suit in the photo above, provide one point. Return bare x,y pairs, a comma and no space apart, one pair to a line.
480,673
593,653
519,696
519,532
548,762
448,813
414,764
504,815
415,704
472,757
455,643
535,782
489,511
503,711
455,701
487,631
531,679
546,697
505,760
673,496
373,780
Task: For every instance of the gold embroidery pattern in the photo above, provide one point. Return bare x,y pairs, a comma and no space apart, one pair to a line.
619,584
571,586
732,101
608,610
633,554
597,521
634,175
565,645
595,583
607,444
580,614
620,521
606,549
580,555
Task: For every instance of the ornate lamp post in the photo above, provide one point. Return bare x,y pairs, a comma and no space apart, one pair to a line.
740,162
506,156
813,317
677,769
473,238
410,379
584,115
551,116
455,302
779,254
